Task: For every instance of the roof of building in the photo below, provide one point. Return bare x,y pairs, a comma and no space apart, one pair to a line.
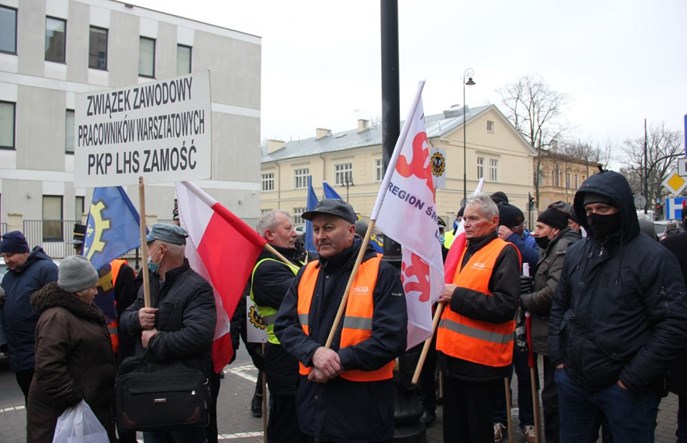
436,126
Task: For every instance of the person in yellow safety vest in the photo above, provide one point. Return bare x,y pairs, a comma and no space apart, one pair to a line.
346,391
475,335
270,280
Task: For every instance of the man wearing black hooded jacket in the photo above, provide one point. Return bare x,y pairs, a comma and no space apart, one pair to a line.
618,319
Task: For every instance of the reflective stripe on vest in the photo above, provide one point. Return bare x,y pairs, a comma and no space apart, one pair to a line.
477,341
267,313
357,321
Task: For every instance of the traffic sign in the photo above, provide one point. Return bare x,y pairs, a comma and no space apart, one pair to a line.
682,166
674,183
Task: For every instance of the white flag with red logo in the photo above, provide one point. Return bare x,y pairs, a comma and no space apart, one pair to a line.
223,249
405,211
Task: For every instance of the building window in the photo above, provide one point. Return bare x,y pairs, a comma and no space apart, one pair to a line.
268,181
146,57
556,178
490,126
343,174
8,30
69,132
7,125
567,180
52,218
79,206
55,40
298,215
379,170
577,183
183,59
97,48
480,167
493,170
300,178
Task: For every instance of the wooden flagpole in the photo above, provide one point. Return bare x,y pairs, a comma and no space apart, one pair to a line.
144,244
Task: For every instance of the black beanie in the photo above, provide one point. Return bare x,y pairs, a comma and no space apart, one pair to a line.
510,215
554,218
14,242
592,197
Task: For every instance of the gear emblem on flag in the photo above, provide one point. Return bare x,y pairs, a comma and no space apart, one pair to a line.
100,226
255,319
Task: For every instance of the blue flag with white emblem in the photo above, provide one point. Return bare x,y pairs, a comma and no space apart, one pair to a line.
329,192
112,228
312,202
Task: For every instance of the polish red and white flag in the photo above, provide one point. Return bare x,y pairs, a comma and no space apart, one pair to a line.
223,249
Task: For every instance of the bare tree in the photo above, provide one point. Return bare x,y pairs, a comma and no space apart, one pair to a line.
651,158
535,110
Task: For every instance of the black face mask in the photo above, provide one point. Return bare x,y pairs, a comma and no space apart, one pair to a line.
604,225
543,242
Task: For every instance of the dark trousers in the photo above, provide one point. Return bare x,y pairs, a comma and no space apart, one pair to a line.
211,428
549,400
427,387
283,423
24,381
525,407
629,416
681,432
468,409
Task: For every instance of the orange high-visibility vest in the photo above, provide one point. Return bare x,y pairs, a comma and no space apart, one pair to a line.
357,322
116,264
477,341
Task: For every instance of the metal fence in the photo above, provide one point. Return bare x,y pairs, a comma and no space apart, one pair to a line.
53,235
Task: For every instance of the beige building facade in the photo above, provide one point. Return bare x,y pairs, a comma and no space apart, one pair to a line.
351,162
561,176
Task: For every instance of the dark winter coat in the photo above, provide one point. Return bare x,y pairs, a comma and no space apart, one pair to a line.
677,382
74,362
186,318
538,303
18,317
342,410
620,311
271,281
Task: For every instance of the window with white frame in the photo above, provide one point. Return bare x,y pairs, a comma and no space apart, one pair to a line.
146,57
343,174
97,48
69,132
268,181
480,167
493,169
183,59
300,178
379,170
52,218
8,30
55,42
7,123
490,126
298,215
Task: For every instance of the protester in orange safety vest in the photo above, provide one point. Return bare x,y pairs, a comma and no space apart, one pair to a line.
475,336
346,392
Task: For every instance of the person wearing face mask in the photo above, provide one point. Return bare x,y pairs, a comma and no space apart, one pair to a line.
179,325
553,235
618,319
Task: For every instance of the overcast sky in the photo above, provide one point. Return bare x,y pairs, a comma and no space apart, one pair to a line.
620,61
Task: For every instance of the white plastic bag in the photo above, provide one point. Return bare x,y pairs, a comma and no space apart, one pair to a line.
79,425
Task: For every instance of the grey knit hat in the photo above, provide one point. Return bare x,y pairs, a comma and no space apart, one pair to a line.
76,273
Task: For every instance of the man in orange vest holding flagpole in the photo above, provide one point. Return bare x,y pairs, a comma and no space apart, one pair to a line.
475,334
345,392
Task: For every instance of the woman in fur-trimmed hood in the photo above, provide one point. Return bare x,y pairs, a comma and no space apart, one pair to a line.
74,359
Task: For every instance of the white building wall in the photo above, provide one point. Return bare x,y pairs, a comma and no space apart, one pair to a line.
44,91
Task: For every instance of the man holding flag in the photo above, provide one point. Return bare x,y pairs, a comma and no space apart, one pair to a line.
475,335
346,391
180,323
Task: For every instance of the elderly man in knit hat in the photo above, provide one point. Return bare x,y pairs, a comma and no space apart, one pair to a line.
553,235
28,271
618,319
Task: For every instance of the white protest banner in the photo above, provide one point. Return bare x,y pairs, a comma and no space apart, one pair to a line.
159,130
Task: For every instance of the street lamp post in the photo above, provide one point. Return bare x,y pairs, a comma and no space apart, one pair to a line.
466,75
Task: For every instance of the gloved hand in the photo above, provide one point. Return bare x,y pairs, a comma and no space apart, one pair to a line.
526,284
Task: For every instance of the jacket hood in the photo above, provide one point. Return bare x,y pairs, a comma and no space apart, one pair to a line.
615,187
51,296
37,254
